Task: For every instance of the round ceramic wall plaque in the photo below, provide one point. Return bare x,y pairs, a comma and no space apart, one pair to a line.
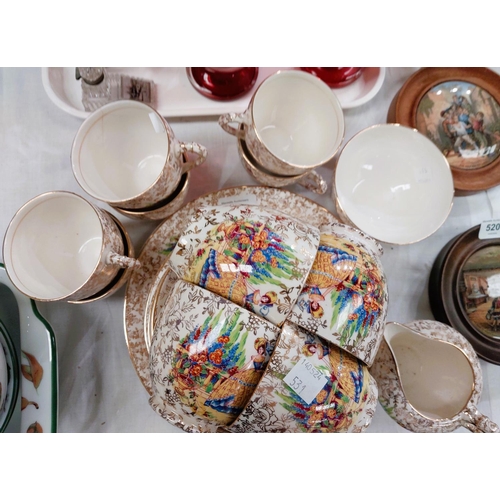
464,290
459,110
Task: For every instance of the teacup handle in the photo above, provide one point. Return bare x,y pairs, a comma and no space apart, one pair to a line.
122,260
226,120
475,421
314,182
195,148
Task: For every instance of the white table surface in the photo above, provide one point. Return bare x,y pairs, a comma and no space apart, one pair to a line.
99,390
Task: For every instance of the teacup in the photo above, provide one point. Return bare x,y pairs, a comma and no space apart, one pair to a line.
430,379
257,258
310,385
207,355
293,124
126,154
59,246
393,183
345,297
310,180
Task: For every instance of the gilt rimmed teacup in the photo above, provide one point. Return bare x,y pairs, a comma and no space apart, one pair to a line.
126,154
257,258
59,246
393,183
345,296
207,355
310,385
293,123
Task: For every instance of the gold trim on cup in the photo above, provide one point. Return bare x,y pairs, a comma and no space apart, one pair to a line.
99,264
318,82
175,158
250,134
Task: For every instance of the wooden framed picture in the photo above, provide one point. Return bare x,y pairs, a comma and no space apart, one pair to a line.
464,290
459,110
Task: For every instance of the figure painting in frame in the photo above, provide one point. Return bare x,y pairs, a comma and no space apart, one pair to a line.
463,120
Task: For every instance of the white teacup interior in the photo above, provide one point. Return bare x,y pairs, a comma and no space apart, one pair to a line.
120,151
436,377
394,184
298,118
53,245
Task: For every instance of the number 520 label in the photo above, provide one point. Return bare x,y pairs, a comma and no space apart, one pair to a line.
489,229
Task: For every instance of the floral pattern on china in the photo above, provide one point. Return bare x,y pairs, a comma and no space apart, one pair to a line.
207,355
345,400
256,258
345,296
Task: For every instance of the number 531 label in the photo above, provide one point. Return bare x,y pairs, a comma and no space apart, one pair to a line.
489,229
305,380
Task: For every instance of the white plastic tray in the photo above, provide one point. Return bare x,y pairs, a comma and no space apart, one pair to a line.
177,98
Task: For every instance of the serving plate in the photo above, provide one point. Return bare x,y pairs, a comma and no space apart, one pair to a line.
162,241
37,356
458,109
12,387
176,97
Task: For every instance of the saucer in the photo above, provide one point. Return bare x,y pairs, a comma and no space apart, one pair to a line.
163,208
35,344
157,249
122,275
12,388
310,180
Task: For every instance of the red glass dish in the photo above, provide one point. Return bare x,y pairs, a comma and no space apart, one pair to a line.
222,83
336,77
